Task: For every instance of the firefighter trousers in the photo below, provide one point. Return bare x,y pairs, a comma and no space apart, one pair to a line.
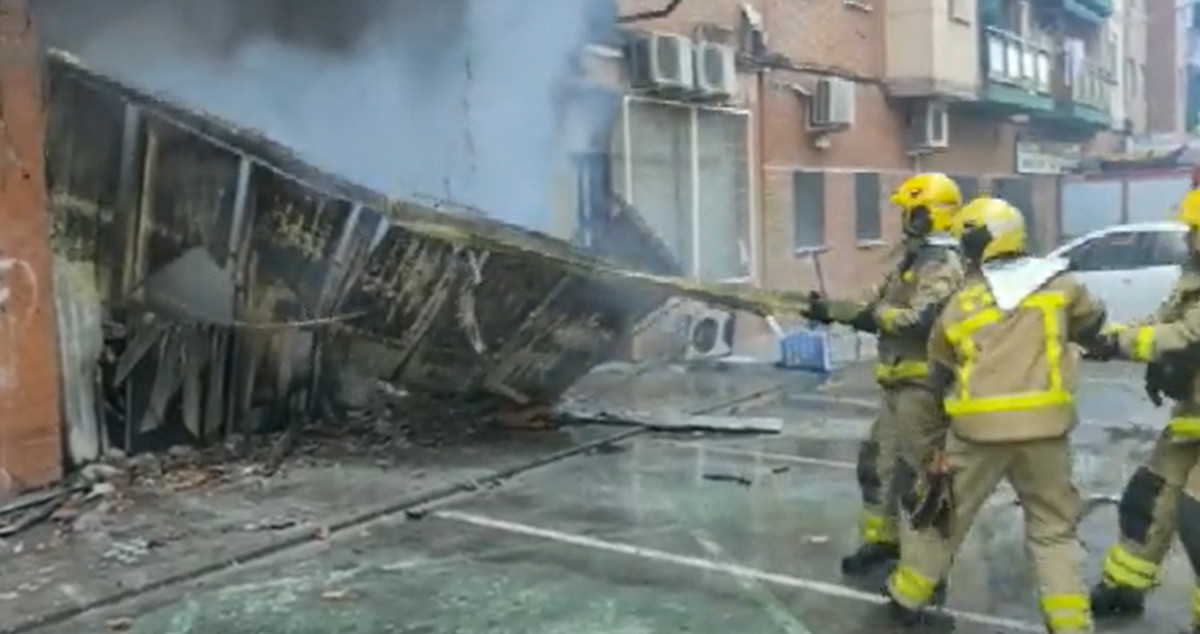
1147,514
1188,525
1040,472
910,422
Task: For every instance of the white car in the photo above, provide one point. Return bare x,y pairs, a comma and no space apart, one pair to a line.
1130,267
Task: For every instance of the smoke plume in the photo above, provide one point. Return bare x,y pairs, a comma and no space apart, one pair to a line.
457,99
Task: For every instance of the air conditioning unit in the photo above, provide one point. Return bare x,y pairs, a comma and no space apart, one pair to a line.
716,75
832,104
661,63
710,334
929,125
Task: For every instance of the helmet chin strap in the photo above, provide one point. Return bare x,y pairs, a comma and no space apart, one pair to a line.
919,222
974,242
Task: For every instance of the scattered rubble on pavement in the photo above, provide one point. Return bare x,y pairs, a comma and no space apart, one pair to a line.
107,488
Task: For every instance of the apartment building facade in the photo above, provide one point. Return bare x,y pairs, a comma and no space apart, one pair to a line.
1171,22
836,102
1127,30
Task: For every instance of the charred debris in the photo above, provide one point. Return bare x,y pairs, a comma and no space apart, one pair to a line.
209,283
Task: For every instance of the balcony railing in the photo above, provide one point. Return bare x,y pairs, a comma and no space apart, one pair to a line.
1018,61
1088,83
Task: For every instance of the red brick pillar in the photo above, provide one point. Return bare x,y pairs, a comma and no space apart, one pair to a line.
30,445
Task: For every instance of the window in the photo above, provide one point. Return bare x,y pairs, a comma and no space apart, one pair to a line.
1110,252
686,172
808,209
1166,248
722,195
866,206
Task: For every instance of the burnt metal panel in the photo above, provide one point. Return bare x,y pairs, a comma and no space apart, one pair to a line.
84,139
190,198
621,233
294,235
460,305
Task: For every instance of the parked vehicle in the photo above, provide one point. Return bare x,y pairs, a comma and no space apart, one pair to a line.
1131,267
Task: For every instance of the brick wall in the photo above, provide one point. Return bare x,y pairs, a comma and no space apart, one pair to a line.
843,38
30,448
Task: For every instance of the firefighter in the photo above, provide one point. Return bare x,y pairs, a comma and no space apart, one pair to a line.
901,309
1151,507
999,353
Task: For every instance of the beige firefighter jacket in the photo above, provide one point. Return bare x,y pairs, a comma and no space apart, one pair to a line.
906,303
1174,326
1013,370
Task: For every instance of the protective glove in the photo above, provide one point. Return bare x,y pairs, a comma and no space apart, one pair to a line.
865,321
818,308
1103,348
931,504
1154,383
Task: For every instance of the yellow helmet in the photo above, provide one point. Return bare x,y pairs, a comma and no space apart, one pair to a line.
956,226
990,227
1189,209
928,201
1189,214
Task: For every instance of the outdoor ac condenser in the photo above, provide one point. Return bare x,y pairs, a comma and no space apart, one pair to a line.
710,334
662,63
716,74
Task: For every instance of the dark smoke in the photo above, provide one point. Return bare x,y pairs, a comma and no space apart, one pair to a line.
458,99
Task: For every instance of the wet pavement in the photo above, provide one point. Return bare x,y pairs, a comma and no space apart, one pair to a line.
662,533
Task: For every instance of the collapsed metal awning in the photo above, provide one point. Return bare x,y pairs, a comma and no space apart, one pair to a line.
241,285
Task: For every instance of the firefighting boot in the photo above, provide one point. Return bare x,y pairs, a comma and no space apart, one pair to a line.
870,556
1113,601
939,595
907,617
902,616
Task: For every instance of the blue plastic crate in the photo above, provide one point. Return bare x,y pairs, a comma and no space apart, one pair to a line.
808,349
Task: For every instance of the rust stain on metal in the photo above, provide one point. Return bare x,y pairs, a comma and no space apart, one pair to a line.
30,451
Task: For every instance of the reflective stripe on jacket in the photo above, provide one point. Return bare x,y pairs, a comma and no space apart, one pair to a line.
1173,328
906,304
1014,371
